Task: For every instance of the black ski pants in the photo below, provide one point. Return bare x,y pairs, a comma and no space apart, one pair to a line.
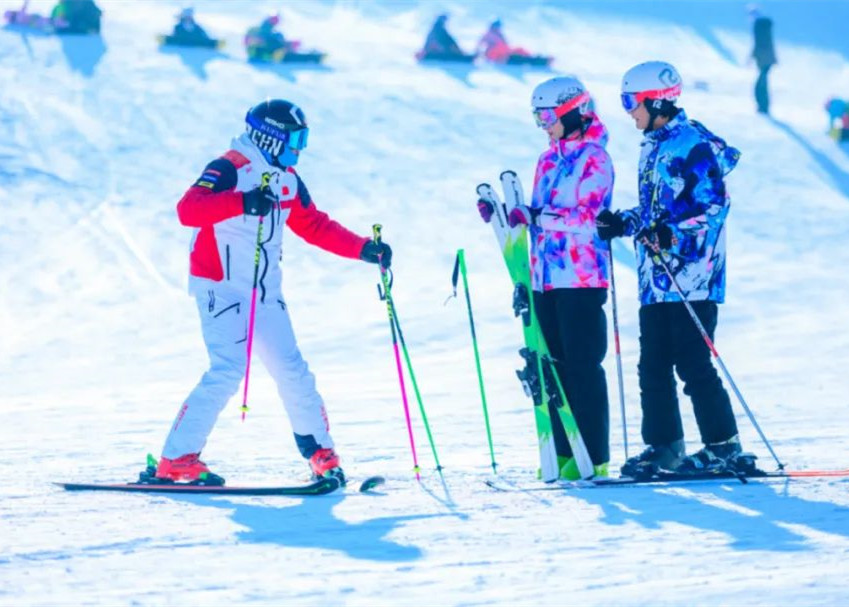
575,328
670,339
762,89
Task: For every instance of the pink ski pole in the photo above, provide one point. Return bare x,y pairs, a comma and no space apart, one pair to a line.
384,277
252,315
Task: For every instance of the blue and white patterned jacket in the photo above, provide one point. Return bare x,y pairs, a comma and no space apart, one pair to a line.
681,184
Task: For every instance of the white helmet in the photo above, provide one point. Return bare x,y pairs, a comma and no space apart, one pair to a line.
656,80
554,92
563,98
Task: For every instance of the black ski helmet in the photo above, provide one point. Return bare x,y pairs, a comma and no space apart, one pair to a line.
279,129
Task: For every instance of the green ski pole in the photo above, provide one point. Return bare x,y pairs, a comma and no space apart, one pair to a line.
460,268
387,294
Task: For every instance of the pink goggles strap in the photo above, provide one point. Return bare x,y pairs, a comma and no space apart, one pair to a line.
565,108
672,91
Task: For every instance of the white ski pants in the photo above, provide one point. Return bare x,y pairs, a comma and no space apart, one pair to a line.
224,323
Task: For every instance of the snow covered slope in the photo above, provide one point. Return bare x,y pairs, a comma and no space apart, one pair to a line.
100,342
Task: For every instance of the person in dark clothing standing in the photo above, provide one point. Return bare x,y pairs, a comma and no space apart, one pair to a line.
680,219
764,55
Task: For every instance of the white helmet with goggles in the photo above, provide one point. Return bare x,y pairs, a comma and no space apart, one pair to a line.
657,81
556,97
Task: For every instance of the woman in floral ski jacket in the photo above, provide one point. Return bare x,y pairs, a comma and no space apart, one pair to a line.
569,262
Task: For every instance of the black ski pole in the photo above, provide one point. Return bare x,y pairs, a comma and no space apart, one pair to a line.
618,351
657,258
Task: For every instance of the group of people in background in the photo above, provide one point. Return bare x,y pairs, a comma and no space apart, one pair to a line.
493,45
263,42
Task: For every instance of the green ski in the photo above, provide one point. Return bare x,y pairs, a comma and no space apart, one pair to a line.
538,376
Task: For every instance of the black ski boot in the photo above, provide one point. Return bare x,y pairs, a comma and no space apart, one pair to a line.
716,458
653,459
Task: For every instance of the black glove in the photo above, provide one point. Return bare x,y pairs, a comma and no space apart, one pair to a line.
664,235
657,235
377,252
609,225
259,201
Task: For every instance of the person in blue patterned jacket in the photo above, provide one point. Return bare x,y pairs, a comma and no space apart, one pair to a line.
681,215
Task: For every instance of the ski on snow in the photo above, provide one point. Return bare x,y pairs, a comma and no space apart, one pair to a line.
669,478
322,486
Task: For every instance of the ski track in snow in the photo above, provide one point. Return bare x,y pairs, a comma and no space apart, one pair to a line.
101,343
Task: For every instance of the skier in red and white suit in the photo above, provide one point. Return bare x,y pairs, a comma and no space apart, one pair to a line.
254,180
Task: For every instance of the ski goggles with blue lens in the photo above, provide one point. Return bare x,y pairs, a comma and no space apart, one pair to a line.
270,138
630,101
547,117
297,140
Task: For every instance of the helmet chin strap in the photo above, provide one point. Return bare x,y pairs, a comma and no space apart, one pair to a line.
650,127
655,108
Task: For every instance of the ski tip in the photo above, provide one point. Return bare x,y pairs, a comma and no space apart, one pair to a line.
508,173
371,483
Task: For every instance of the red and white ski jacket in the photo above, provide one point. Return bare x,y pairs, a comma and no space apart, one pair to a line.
223,246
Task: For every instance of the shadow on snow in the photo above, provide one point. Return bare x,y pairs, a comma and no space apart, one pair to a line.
756,516
82,51
312,524
838,176
289,71
193,58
